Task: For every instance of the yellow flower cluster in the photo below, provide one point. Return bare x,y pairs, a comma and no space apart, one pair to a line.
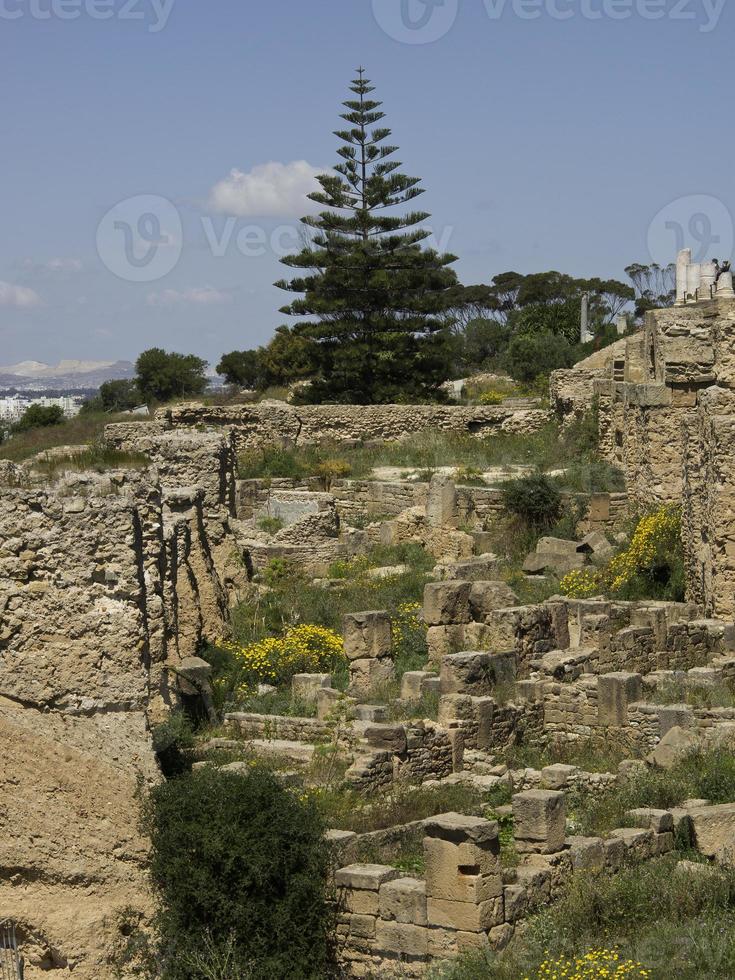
492,397
407,624
594,965
301,649
656,534
581,583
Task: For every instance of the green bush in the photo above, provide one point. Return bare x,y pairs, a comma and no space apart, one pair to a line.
39,417
535,499
240,866
173,741
677,923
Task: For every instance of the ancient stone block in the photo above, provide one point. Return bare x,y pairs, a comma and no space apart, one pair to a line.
402,938
557,776
327,699
659,821
368,674
374,713
412,684
388,738
404,900
367,635
615,692
306,687
539,820
714,831
366,876
465,916
459,829
447,603
441,504
476,672
485,597
442,640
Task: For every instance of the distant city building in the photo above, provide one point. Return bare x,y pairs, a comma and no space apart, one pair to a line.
12,407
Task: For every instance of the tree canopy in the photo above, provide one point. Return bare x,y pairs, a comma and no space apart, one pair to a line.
161,376
375,297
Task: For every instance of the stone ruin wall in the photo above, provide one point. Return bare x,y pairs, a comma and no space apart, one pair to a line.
267,424
666,416
106,584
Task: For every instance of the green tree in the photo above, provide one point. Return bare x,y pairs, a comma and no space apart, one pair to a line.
241,367
532,355
240,866
654,285
288,357
376,295
162,375
119,396
39,417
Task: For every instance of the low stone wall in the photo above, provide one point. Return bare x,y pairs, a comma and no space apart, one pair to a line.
363,499
394,925
416,751
277,423
282,727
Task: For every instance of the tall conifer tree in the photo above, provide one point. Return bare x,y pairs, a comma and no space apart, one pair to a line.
376,297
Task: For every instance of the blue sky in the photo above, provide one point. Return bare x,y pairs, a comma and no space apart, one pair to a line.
578,144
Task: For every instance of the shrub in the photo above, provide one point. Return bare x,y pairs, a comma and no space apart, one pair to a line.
535,499
240,866
270,524
39,417
303,649
273,461
651,567
329,470
173,741
492,397
410,647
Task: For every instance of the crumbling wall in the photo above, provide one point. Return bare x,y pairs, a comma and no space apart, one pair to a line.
107,581
277,423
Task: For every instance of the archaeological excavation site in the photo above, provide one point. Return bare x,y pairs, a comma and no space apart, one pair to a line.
476,658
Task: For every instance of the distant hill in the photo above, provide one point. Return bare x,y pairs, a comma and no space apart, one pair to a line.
67,373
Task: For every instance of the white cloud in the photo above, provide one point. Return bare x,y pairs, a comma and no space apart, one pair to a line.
58,264
20,296
200,296
269,189
64,265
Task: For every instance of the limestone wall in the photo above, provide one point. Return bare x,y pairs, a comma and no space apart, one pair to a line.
107,581
277,423
394,925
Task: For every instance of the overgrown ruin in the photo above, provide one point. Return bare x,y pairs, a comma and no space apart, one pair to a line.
110,583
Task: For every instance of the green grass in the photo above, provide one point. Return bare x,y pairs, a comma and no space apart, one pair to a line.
97,458
347,809
676,923
591,756
707,775
547,449
84,429
697,695
294,599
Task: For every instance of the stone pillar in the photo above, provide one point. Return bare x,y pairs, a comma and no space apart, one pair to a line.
584,333
724,286
707,280
464,884
368,641
621,324
614,693
441,505
539,821
694,271
683,260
